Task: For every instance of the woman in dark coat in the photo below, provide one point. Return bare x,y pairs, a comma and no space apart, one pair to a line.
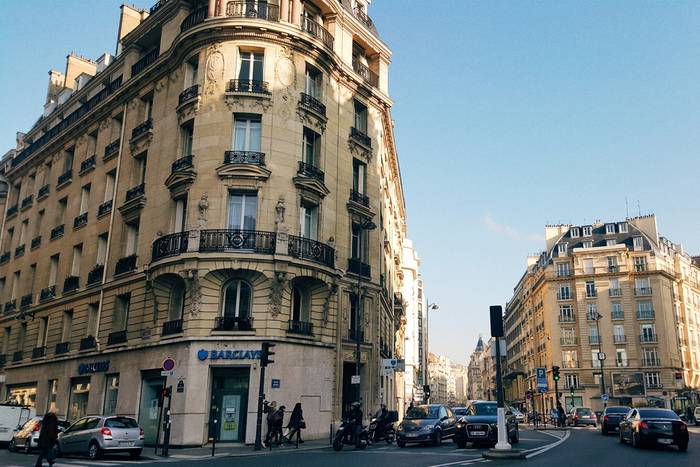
47,439
296,423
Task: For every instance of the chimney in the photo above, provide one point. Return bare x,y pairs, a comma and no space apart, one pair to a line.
76,66
56,82
128,21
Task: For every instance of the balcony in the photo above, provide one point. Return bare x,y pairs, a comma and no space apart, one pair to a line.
360,137
172,327
225,323
43,192
615,292
253,10
621,363
12,210
19,251
563,296
228,240
181,164
62,348
36,242
244,157
359,198
38,352
567,318
126,264
105,208
618,339
117,337
594,340
356,266
300,327
568,340
617,315
80,221
170,245
64,178
646,314
306,248
26,301
144,62
196,17
648,338
642,291
5,257
87,343
47,294
27,202
10,305
317,30
591,293
142,129
17,356
566,273
308,170
363,18
57,231
95,276
248,86
651,362
365,73
88,164
308,102
157,6
71,283
613,268
111,149
135,192
384,349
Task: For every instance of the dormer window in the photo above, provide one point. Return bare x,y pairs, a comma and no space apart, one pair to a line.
575,232
561,249
622,227
587,231
638,243
609,228
588,244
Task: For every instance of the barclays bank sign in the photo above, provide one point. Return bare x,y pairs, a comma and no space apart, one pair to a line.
204,354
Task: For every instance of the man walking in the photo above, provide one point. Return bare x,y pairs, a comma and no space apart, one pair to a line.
47,439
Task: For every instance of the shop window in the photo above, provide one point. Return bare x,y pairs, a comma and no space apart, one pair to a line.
111,393
237,299
79,393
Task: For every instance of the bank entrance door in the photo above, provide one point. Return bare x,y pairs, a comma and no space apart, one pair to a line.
229,403
151,387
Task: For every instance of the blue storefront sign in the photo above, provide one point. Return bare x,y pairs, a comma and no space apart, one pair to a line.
204,354
276,384
97,367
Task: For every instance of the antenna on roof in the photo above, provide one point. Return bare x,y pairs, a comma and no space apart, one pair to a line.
627,208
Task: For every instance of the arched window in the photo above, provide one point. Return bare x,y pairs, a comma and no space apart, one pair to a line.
237,299
177,302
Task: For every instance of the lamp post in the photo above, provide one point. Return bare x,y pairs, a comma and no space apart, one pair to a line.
601,358
426,380
366,225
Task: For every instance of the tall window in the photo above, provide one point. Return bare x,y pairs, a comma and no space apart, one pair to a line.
77,259
640,263
563,270
359,176
590,289
109,186
650,357
561,249
68,158
571,380
360,116
652,380
648,332
595,363
622,227
93,311
242,211
132,238
638,243
612,263
61,211
66,325
569,359
309,221
177,302
246,133
15,285
101,249
359,243
354,321
180,218
237,299
564,292
186,135
587,231
587,244
84,198
32,277
592,311
39,222
192,76
251,66
575,232
42,338
313,82
53,269
621,357
121,312
311,147
301,304
588,266
609,228
111,393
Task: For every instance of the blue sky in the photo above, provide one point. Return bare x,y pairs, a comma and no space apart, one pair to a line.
509,116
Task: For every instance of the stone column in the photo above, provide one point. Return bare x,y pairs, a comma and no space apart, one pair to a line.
212,9
284,11
296,12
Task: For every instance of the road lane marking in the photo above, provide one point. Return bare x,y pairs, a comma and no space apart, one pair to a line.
549,446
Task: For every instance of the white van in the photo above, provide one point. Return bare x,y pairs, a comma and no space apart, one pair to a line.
11,418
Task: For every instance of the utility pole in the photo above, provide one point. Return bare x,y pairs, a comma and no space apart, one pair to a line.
496,312
264,361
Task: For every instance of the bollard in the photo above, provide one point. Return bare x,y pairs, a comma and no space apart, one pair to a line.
213,440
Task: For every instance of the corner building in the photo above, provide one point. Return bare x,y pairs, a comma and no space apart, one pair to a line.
210,187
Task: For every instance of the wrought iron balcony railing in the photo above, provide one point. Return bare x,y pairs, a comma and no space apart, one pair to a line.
312,171
17,356
360,137
642,291
136,192
306,248
62,348
646,314
194,18
363,17
43,191
640,267
360,198
569,364
619,339
615,292
19,251
300,327
5,257
80,220
651,362
88,163
233,323
126,264
65,177
10,305
244,157
105,208
96,274
159,4
27,201
567,318
317,30
12,210
248,85
356,266
253,10
310,102
117,337
71,283
617,315
170,245
188,94
112,148
648,338
87,343
569,340
26,301
237,240
172,327
36,242
142,128
47,293
365,73
38,352
182,163
58,231
594,339
144,62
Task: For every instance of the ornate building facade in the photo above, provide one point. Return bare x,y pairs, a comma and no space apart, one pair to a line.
229,177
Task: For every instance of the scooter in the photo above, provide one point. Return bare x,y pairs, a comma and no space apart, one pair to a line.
345,435
388,433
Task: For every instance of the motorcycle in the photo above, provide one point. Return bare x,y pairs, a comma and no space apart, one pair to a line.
387,433
345,435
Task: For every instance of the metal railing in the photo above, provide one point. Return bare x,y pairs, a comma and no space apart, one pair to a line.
300,327
65,177
26,301
317,30
248,85
104,208
594,339
237,240
648,338
142,128
10,305
365,73
71,283
172,327
363,17
244,157
561,296
47,293
651,362
567,318
356,266
62,348
617,315
126,264
38,352
136,192
619,339
117,337
27,201
310,102
144,62
19,251
360,198
58,231
188,94
360,137
307,248
112,148
253,10
170,245
568,340
312,171
96,274
43,191
615,292
36,242
646,314
87,343
88,163
194,18
642,291
182,163
5,257
233,323
80,220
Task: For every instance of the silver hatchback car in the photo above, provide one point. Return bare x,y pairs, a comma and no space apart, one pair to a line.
97,435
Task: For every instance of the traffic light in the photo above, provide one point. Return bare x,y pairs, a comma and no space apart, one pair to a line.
555,373
426,392
265,357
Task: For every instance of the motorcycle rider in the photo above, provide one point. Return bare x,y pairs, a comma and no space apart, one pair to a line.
356,421
380,417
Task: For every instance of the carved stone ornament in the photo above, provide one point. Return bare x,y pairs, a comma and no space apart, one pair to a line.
285,106
285,70
174,75
311,119
279,211
195,291
276,290
203,207
133,104
188,110
358,150
214,68
104,124
139,145
160,84
245,102
332,290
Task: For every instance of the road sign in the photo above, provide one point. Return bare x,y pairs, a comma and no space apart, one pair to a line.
168,364
167,373
180,386
541,377
276,384
543,389
355,379
605,397
601,356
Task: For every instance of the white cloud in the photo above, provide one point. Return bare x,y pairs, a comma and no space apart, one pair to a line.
508,231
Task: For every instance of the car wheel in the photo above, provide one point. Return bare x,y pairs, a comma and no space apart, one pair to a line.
94,451
622,438
401,444
135,454
683,447
461,444
437,438
11,446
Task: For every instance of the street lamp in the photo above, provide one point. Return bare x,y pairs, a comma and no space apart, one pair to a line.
365,225
601,358
424,364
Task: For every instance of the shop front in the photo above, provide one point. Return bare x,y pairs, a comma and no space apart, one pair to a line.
21,394
229,403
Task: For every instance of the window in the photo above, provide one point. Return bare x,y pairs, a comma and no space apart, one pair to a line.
15,285
39,222
84,199
609,228
575,232
301,304
569,359
176,305
192,72
564,292
53,393
359,176
180,211
21,336
617,312
77,405
242,211
186,135
6,339
571,381
121,312
311,147
313,82
619,333
640,263
610,242
645,309
568,336
251,67
638,243
648,333
101,249
246,133
309,221
66,325
650,357
587,244
93,310
561,249
132,238
111,393
566,312
68,158
43,334
61,211
587,231
592,311
622,227
612,263
77,258
23,232
360,116
32,277
147,107
358,243
588,266
652,380
237,299
590,289
109,186
595,363
354,318
140,169
53,269
621,358
2,288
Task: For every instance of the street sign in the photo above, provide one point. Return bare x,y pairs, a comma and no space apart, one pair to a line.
167,373
355,379
605,397
541,377
180,386
601,356
543,389
168,364
276,384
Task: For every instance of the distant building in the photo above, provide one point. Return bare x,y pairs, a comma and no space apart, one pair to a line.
461,378
439,369
416,358
475,388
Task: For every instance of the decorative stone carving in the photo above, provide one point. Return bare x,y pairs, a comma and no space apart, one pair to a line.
332,290
285,70
311,119
278,284
285,105
104,124
279,211
214,68
188,111
203,206
133,104
174,75
245,102
139,145
160,84
192,277
358,150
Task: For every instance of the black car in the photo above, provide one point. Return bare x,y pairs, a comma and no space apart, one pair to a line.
647,426
611,417
480,425
426,424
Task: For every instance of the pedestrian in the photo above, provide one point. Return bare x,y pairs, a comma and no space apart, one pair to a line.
690,415
269,409
296,424
410,406
277,422
47,439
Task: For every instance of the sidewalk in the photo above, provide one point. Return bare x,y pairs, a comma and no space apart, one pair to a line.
235,450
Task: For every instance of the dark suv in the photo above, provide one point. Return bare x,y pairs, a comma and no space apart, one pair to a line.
611,417
480,425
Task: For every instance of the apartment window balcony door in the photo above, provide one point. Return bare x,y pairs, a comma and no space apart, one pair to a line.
251,65
359,176
313,82
309,221
242,211
247,134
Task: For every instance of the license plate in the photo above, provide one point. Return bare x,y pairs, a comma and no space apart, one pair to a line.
126,443
665,441
477,433
617,428
411,435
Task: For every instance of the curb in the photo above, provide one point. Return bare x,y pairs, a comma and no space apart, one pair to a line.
554,428
504,454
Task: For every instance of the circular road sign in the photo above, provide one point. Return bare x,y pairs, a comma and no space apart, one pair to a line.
601,355
168,364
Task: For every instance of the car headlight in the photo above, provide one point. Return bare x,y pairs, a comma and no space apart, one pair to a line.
428,427
400,428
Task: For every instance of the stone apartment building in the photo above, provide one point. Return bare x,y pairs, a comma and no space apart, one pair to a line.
416,345
611,290
229,177
475,389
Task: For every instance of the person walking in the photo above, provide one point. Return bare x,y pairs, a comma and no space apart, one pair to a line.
277,423
296,424
47,439
269,409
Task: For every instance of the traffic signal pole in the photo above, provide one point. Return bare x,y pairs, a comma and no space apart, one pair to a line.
264,361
